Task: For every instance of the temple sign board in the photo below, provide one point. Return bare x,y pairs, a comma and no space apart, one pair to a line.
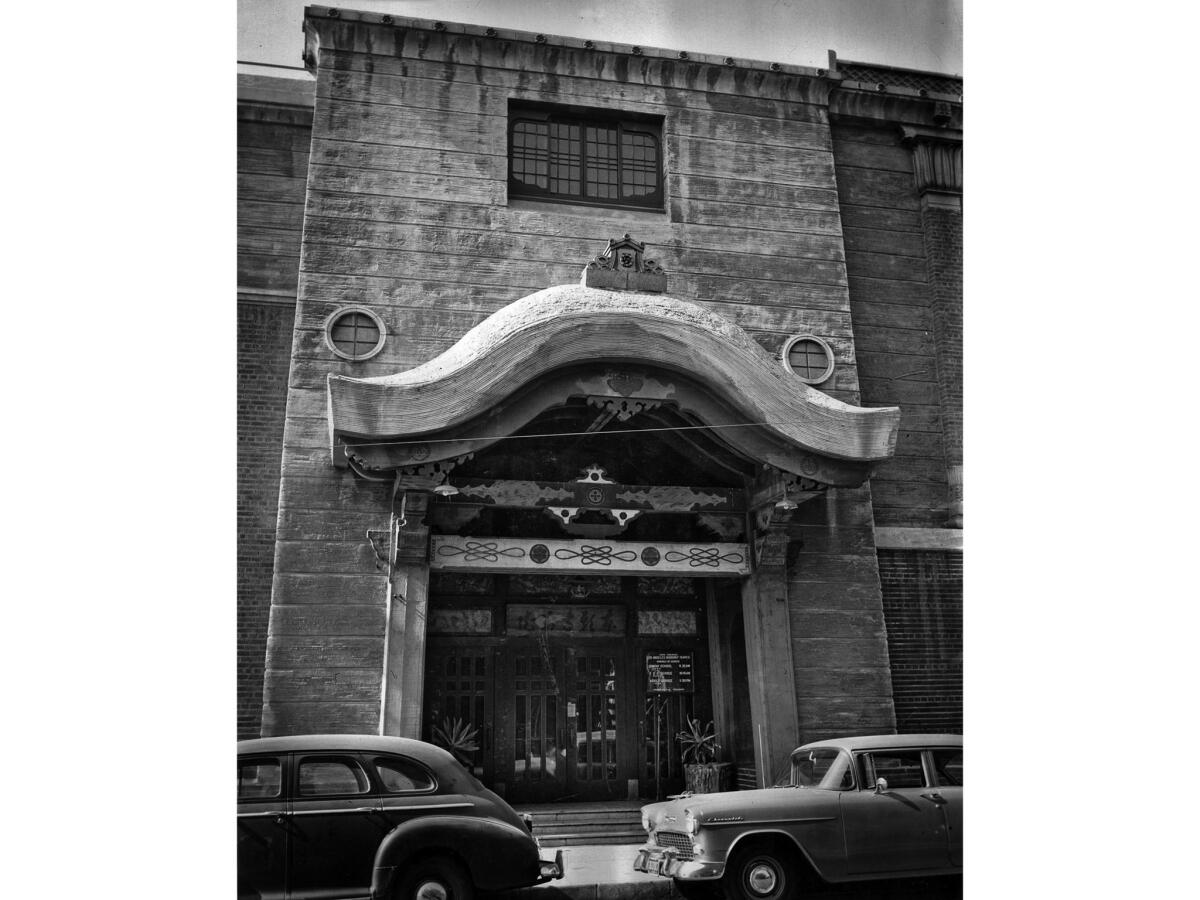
669,673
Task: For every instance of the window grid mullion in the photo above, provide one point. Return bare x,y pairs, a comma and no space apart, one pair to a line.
583,160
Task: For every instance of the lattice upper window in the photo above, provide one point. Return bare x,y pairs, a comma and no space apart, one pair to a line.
577,158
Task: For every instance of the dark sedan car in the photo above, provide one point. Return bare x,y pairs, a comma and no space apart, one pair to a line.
385,818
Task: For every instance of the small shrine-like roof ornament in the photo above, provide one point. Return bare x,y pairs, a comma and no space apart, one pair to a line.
623,267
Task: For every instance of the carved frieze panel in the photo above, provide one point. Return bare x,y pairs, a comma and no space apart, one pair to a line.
665,587
459,621
523,618
723,528
564,585
462,583
594,491
666,621
496,554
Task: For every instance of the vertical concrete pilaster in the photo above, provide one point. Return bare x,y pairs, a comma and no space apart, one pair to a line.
769,667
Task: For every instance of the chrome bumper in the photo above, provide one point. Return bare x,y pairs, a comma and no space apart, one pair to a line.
551,870
665,861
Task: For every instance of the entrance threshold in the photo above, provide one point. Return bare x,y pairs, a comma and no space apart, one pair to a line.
566,824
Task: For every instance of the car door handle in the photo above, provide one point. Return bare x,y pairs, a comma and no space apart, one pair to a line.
935,798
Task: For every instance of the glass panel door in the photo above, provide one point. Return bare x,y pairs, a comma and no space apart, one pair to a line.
537,755
665,716
597,683
458,698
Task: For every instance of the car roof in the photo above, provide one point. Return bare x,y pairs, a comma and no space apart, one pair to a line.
885,741
341,742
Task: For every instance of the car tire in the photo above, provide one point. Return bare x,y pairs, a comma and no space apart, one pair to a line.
760,874
435,879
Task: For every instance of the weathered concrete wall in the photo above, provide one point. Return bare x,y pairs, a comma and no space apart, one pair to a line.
407,213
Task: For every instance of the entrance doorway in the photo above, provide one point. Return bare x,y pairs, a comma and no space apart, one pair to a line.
568,700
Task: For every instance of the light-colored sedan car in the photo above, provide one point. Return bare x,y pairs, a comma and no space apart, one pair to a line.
852,809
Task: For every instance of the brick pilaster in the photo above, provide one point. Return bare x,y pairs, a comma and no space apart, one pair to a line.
937,168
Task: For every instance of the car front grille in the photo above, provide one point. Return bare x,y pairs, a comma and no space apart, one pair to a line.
676,841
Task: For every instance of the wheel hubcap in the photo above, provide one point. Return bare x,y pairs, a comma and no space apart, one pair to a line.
762,878
432,890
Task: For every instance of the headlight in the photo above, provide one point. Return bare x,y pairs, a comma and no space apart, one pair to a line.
645,823
690,824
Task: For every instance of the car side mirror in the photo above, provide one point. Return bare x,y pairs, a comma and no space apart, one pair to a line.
880,785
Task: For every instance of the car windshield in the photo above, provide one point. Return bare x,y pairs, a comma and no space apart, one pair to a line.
814,768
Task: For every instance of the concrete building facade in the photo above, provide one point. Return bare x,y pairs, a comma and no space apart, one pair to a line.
586,389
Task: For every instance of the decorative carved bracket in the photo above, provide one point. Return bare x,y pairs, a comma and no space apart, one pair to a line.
937,159
428,476
774,498
412,531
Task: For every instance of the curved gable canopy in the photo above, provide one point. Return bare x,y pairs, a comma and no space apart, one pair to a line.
529,356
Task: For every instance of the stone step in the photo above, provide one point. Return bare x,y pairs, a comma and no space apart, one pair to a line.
569,825
573,839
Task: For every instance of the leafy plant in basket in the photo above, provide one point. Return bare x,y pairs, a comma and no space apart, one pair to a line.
458,737
699,743
702,773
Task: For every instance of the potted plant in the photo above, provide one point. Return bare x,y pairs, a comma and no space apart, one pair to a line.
458,737
702,773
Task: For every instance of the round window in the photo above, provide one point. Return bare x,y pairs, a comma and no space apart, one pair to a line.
354,332
808,357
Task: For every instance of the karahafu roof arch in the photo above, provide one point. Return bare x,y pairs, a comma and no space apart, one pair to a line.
529,356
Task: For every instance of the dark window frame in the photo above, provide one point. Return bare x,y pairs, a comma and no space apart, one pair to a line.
262,761
940,773
624,123
865,763
351,761
378,760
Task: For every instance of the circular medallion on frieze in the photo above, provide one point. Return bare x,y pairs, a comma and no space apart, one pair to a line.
539,553
651,556
418,452
595,496
808,465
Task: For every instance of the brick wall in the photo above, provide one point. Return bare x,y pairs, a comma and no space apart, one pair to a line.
264,342
272,165
922,605
890,301
944,260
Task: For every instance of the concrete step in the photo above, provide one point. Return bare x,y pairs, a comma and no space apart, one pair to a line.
569,825
550,841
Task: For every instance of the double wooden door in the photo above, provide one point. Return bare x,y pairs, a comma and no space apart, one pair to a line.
553,721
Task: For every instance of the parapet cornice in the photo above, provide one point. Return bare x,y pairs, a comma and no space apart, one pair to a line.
319,19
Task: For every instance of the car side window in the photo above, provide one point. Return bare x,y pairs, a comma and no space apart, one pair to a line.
403,776
259,779
323,776
900,768
948,765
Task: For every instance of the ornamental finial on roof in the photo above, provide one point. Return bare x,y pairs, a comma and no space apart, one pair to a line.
623,267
